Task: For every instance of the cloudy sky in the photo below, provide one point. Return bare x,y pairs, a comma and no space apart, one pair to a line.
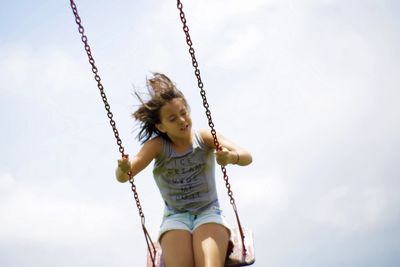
310,87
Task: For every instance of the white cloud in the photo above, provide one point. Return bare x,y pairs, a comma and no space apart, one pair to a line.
269,190
54,213
29,71
236,52
310,87
351,209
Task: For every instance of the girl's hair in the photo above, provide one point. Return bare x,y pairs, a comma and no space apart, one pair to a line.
161,90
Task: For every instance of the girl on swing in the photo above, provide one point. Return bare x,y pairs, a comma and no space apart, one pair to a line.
193,231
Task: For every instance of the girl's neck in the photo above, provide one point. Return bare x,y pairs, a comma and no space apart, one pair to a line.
182,145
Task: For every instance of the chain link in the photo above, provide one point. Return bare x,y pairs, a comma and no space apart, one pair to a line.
208,113
96,76
105,101
150,245
200,84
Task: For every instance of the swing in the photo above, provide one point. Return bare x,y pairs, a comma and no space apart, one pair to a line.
240,248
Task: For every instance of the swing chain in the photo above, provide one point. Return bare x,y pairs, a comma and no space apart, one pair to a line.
150,245
208,113
136,196
96,76
204,97
105,101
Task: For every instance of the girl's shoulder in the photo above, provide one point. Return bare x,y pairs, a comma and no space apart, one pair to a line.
156,140
154,145
206,137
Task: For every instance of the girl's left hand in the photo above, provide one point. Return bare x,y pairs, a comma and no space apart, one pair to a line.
224,156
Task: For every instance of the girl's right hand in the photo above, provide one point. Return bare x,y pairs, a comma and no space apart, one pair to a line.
123,169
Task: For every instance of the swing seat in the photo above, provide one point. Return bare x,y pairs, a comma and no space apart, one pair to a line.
235,255
234,258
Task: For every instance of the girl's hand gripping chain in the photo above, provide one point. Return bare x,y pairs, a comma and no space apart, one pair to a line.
225,156
123,169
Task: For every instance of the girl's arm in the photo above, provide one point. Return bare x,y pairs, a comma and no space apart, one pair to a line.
146,154
229,153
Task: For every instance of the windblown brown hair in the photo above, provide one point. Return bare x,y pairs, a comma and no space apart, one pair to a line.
161,90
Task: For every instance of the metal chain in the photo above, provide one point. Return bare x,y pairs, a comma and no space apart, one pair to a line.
96,76
203,95
112,123
208,113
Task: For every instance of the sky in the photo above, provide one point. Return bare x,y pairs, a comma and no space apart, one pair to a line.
310,88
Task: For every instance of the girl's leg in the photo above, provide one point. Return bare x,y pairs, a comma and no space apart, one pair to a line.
177,248
210,243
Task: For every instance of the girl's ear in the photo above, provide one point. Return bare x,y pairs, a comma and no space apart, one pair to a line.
160,127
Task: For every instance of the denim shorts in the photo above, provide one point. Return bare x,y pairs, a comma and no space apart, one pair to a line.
173,220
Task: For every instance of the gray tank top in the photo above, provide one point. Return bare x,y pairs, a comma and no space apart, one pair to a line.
186,180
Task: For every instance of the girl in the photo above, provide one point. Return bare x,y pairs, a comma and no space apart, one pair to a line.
193,231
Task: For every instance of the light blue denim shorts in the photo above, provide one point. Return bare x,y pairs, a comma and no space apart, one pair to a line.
173,220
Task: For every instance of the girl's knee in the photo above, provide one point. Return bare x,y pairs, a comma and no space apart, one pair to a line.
177,248
210,244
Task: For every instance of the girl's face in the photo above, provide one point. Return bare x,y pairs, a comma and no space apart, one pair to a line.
175,119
